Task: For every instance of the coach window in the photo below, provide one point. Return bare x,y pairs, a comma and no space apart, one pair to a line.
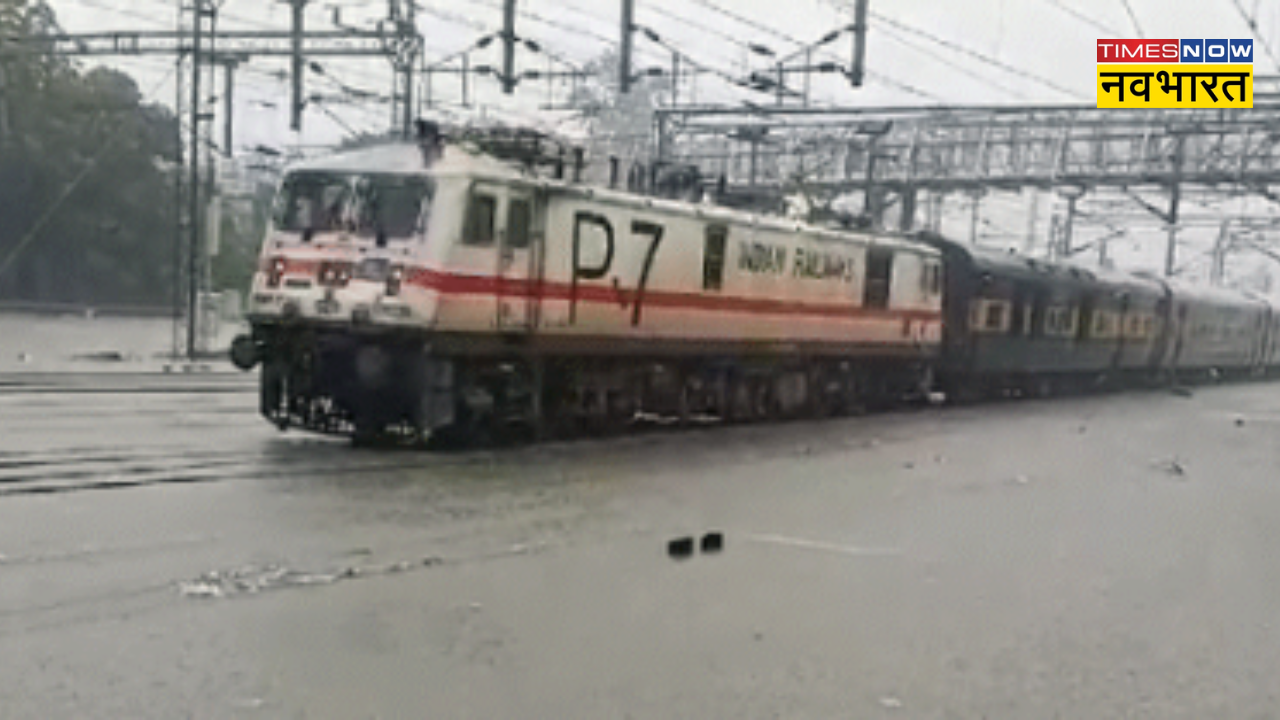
879,272
713,257
519,218
481,213
997,319
990,316
1133,327
1060,321
1072,322
1102,329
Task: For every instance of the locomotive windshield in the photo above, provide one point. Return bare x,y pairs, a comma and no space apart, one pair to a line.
365,204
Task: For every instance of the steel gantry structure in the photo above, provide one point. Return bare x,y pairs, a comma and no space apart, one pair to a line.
891,155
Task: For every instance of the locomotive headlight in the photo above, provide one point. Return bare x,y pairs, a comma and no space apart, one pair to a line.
275,271
395,278
335,274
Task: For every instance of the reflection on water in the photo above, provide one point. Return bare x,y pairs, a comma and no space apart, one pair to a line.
34,342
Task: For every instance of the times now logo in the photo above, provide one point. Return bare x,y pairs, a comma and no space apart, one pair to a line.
1175,51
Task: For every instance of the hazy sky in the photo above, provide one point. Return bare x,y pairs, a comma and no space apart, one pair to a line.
919,52
1051,41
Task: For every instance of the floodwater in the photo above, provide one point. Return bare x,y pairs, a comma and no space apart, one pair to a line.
40,343
164,553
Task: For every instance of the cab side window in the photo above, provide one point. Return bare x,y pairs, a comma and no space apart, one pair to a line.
482,212
879,275
931,279
519,220
713,257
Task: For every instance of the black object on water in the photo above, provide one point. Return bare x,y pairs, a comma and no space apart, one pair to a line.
713,542
680,548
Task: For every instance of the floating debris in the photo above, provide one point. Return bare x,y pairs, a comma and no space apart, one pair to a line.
890,703
1173,467
251,580
680,548
102,356
200,589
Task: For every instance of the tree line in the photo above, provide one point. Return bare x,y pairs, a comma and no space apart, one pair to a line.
87,169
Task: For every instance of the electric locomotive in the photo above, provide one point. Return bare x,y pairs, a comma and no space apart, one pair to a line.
470,281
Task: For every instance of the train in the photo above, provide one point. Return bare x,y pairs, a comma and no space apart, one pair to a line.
469,282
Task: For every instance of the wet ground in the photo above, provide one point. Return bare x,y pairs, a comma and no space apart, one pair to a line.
164,554
80,342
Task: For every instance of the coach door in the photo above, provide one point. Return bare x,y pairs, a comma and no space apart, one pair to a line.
519,254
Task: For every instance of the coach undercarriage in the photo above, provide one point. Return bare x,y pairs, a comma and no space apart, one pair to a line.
412,388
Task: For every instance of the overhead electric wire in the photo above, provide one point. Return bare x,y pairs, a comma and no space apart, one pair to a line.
891,33
450,17
1133,18
977,55
645,7
558,24
698,26
792,39
1252,22
1084,18
334,117
347,88
745,21
729,78
136,15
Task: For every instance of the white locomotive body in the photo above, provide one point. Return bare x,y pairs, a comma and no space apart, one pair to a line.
439,287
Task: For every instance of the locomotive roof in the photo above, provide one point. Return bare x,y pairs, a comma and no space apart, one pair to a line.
405,158
393,158
399,158
706,211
